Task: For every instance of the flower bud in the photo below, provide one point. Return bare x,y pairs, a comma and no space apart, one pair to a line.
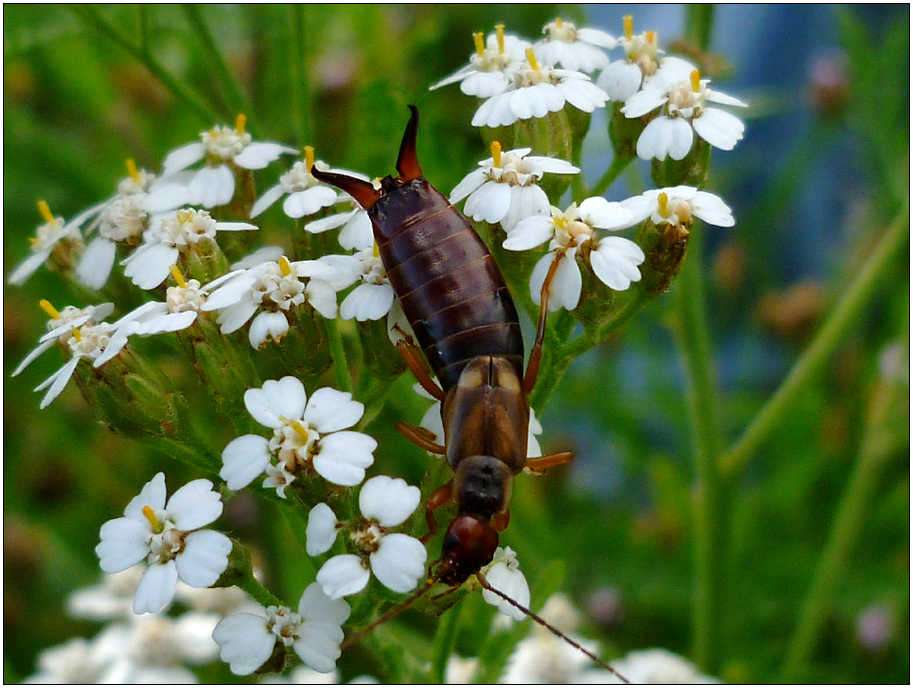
665,248
378,353
624,132
204,260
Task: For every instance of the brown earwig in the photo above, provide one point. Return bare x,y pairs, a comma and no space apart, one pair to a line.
464,318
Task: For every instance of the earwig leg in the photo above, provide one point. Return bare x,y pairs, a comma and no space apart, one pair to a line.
501,520
413,359
437,499
541,464
422,438
535,354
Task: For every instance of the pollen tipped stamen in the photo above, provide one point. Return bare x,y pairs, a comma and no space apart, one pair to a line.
285,266
77,335
696,81
309,156
531,58
149,513
240,123
49,309
45,211
300,429
178,277
499,29
496,153
131,169
479,39
629,26
663,205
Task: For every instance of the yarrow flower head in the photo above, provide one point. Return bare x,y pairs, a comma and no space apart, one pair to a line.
305,195
54,240
396,559
505,187
503,574
308,435
169,537
622,79
491,67
274,288
679,205
224,149
684,113
248,640
614,260
536,91
373,298
575,49
168,237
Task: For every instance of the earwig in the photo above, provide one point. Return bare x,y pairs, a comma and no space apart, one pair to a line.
457,301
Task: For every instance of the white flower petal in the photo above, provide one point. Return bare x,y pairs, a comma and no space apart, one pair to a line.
467,185
266,199
96,262
124,543
718,128
489,203
330,410
243,460
321,530
344,456
152,495
307,202
399,562
194,505
343,575
182,158
149,269
389,501
529,233
642,102
711,209
267,325
322,298
316,609
57,381
204,559
212,186
245,642
275,400
156,589
259,154
367,302
615,262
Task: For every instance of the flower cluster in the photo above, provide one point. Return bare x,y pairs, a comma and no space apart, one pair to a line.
262,326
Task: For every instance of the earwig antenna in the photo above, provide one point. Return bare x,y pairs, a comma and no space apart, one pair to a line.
538,619
390,614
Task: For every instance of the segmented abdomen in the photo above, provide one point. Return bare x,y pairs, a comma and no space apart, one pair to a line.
450,287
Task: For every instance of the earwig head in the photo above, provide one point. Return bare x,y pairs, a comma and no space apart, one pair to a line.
469,544
406,164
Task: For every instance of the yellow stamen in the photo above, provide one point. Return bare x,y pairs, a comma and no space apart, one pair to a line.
696,81
479,39
131,169
178,277
651,37
558,22
663,205
499,29
531,58
285,266
49,309
240,123
45,211
629,26
309,157
376,250
77,334
300,429
496,153
149,513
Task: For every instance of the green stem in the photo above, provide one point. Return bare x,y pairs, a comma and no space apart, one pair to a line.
838,325
444,640
697,357
619,163
140,51
237,103
338,354
301,114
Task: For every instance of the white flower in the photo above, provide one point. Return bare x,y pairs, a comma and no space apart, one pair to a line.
573,48
684,113
373,297
657,666
122,218
614,260
167,238
505,187
356,233
305,195
224,149
169,537
491,68
52,234
307,434
678,205
503,574
536,91
246,641
275,288
623,78
397,559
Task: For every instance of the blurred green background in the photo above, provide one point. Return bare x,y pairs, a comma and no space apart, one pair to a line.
822,170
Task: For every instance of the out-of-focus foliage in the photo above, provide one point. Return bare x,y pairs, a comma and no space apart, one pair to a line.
76,105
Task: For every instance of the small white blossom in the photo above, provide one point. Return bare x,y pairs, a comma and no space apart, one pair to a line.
52,234
573,48
614,260
307,434
169,537
505,187
658,666
503,574
684,113
246,641
373,297
274,288
491,67
679,205
396,559
167,238
537,90
224,149
356,233
623,78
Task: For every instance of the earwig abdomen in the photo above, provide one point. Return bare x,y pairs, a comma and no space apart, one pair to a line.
449,285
